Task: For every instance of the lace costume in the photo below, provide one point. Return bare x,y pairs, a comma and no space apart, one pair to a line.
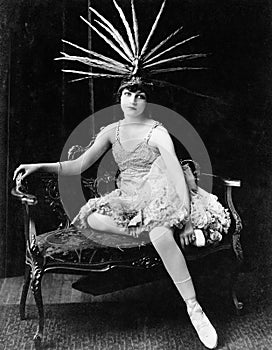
146,197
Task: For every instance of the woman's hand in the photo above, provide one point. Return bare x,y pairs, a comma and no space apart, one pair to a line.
25,169
187,236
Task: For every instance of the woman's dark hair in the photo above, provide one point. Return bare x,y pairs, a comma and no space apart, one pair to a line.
133,87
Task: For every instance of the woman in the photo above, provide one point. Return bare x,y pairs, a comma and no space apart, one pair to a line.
152,198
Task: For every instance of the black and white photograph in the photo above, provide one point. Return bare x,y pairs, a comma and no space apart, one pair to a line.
135,174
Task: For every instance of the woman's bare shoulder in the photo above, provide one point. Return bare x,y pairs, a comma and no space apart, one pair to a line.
161,130
108,127
161,135
108,131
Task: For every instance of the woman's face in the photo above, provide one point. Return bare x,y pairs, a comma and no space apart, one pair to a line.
133,104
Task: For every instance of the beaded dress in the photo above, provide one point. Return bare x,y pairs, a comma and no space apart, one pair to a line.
145,196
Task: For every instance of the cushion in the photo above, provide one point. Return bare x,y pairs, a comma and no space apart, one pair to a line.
72,246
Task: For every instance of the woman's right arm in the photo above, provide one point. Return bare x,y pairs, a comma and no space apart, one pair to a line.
72,167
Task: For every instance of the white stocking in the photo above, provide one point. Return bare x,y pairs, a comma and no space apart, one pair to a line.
104,223
173,259
174,262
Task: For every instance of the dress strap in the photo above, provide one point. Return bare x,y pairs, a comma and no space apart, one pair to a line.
155,124
117,136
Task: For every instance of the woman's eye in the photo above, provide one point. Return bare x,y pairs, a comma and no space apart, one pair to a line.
127,93
141,97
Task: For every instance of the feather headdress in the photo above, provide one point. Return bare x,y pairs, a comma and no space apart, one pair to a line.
135,63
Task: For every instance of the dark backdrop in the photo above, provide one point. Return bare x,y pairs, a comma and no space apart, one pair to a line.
39,107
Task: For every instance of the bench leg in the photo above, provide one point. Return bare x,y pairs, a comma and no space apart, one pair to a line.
233,280
36,280
24,292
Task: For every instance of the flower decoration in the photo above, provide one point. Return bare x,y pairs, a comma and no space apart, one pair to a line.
212,218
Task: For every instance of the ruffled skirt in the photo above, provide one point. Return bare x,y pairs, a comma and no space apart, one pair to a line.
154,202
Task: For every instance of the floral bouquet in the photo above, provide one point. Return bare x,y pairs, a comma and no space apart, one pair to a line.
209,217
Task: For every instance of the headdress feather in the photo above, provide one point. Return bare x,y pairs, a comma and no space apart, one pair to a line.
171,48
107,40
166,70
95,54
122,44
152,29
125,22
135,28
93,75
162,43
94,63
114,31
140,63
176,58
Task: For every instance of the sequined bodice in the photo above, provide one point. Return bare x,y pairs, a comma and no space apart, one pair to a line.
134,164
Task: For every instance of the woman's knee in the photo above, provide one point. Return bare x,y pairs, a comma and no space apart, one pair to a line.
164,242
103,223
95,222
162,233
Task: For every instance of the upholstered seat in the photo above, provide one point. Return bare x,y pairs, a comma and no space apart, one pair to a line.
72,246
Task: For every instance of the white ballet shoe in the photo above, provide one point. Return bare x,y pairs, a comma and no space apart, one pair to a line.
205,330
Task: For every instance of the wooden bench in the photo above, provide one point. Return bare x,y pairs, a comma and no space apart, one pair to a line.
66,250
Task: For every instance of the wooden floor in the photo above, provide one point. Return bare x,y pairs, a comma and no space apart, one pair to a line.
56,288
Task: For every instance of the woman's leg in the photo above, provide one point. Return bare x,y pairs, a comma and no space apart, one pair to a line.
104,223
173,259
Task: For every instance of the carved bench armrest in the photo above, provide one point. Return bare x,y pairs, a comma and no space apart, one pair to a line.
228,182
231,182
228,185
20,192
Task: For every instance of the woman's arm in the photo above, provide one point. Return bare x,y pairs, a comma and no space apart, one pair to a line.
72,167
161,138
101,144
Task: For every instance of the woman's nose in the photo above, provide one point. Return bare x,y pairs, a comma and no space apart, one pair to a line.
133,99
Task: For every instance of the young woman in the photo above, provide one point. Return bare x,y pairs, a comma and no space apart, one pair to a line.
152,198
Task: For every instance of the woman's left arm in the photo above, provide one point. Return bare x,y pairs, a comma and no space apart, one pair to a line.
161,138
